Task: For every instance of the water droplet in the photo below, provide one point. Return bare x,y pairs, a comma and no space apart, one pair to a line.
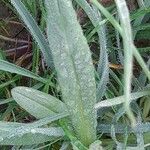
1,139
33,131
11,136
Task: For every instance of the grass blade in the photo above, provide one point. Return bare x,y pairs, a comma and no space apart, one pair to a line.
35,31
128,54
120,99
121,128
118,27
12,68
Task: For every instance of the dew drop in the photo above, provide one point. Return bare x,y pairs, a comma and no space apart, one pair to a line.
33,131
1,139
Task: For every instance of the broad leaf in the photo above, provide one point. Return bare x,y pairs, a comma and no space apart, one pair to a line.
37,103
28,136
103,69
75,71
13,133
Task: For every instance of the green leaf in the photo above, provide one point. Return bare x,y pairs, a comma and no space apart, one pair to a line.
35,30
146,107
140,13
12,68
37,103
120,99
118,27
14,79
122,128
96,145
41,122
28,136
13,133
2,102
75,71
124,16
103,68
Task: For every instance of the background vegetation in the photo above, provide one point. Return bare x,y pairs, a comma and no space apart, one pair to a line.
53,95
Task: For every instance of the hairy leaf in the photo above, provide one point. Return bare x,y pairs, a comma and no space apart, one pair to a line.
37,103
74,67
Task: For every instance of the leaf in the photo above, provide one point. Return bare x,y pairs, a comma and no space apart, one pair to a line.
2,102
13,133
140,13
41,122
121,128
103,68
120,99
28,136
118,27
37,103
6,66
14,79
35,31
96,145
73,63
124,16
146,107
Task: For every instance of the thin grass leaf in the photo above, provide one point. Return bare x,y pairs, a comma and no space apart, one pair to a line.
49,119
120,99
103,68
12,68
2,102
118,27
139,20
122,128
35,31
74,67
128,54
14,79
140,12
41,122
37,103
65,146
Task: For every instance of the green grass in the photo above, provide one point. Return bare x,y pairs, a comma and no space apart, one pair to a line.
71,102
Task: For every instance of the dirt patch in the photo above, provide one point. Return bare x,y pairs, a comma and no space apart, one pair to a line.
14,38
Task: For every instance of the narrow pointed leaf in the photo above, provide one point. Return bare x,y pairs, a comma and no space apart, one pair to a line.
12,68
120,99
121,128
35,30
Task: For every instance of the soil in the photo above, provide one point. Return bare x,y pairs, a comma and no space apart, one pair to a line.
13,32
